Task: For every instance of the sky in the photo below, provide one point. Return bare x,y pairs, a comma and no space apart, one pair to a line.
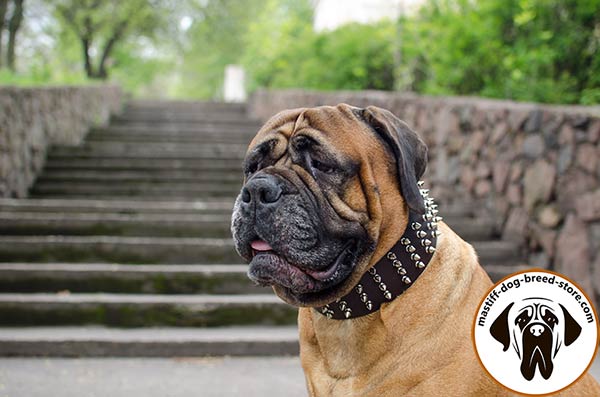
330,14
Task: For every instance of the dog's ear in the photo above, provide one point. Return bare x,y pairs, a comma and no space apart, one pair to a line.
499,328
572,327
408,148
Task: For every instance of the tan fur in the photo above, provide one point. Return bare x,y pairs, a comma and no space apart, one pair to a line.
420,343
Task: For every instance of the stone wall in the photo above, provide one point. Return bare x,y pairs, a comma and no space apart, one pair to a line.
34,119
534,168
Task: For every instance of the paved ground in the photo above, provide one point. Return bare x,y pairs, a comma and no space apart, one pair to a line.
205,377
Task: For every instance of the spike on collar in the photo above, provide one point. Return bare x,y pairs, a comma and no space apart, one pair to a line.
396,271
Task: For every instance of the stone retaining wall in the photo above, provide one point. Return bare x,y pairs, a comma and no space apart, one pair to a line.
33,119
535,168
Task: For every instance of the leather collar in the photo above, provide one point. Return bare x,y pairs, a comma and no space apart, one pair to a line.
396,271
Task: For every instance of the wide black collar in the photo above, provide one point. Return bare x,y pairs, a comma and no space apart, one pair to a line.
396,271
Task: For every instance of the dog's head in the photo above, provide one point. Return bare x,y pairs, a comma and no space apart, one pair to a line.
536,328
322,185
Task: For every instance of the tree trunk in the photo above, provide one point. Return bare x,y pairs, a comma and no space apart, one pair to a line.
116,36
85,44
13,28
3,7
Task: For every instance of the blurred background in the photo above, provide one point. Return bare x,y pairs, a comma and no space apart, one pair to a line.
527,50
124,123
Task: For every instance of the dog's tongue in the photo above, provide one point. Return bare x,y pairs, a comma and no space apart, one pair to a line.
260,245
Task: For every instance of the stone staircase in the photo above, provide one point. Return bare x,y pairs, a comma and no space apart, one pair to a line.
123,248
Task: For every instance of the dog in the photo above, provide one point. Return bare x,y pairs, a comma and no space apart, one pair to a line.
538,328
331,215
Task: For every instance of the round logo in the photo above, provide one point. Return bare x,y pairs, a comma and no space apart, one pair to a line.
535,332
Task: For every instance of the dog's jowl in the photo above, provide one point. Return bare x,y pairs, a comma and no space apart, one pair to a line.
334,217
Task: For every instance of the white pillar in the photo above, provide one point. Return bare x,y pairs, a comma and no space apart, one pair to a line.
234,90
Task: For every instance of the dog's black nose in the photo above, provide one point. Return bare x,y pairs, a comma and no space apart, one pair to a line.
262,191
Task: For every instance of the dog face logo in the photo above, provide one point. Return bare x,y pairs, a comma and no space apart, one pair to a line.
537,328
535,332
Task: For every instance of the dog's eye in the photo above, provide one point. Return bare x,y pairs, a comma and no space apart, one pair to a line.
316,164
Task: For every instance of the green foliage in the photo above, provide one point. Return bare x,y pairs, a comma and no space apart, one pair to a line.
215,39
532,50
283,51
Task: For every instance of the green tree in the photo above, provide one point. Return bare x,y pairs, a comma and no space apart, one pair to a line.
3,8
102,25
283,51
533,50
14,24
214,40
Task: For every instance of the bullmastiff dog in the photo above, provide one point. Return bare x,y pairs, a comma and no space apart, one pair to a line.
333,217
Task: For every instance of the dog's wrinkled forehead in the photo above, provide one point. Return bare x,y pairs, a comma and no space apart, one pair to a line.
328,124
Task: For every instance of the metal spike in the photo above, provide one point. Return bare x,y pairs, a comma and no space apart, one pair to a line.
415,257
421,233
437,219
369,305
420,183
420,265
401,271
372,271
432,226
397,264
430,249
359,288
382,286
437,233
410,249
329,315
406,280
324,310
377,278
425,242
391,256
364,297
427,217
415,226
434,211
343,305
348,313
388,295
404,241
424,192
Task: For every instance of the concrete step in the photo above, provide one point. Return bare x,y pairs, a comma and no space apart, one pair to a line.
129,163
171,117
117,249
180,128
173,225
160,150
153,377
116,278
161,137
176,250
135,310
162,176
155,190
129,206
95,341
165,224
186,105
